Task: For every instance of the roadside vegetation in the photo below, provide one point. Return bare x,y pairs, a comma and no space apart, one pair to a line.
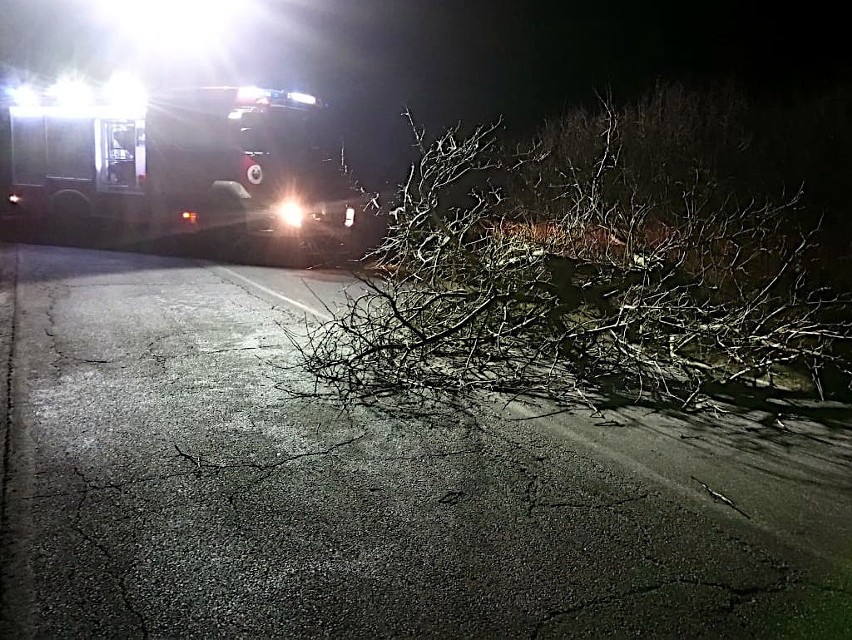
666,250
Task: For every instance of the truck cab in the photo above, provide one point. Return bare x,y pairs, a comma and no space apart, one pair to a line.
261,158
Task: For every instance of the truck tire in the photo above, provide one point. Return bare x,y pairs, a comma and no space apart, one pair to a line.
223,226
70,213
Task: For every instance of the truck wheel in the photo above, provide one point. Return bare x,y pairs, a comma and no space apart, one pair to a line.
223,227
70,213
290,253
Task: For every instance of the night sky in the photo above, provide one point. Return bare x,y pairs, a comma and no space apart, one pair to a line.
446,60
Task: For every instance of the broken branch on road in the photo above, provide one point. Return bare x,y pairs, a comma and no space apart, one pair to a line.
587,262
723,499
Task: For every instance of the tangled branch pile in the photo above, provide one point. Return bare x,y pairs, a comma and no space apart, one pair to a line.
622,249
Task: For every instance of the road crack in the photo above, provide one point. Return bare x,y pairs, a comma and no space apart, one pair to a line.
592,505
119,576
267,470
432,456
8,404
736,595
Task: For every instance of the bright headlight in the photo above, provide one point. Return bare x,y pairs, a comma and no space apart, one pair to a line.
291,213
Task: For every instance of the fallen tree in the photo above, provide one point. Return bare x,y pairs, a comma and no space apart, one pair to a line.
614,252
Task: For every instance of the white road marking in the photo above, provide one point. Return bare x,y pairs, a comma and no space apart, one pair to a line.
316,312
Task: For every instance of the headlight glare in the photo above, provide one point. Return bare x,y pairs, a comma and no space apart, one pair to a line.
291,213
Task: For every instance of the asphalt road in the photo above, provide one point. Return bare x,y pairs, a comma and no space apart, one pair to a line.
161,479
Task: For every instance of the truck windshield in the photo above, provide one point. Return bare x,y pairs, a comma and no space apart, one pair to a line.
296,147
289,134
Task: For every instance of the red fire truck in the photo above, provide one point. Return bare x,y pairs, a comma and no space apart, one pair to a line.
223,160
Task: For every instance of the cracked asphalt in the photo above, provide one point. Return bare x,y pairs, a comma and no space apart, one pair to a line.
161,480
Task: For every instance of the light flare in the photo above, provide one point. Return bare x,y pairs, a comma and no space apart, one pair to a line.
72,92
303,98
157,26
127,91
24,96
291,213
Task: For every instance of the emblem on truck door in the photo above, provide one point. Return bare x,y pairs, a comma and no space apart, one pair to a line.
255,174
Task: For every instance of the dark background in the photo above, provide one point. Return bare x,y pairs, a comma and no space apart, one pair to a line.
446,60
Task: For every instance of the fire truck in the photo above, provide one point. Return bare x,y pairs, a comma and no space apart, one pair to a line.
219,160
